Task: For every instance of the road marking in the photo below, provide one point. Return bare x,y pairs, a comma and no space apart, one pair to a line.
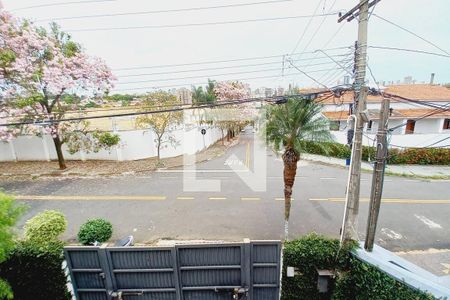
169,177
428,222
391,234
388,200
221,177
327,178
217,198
250,198
282,199
447,268
247,156
185,198
89,198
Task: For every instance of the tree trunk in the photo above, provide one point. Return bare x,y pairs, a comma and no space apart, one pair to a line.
290,159
158,149
58,147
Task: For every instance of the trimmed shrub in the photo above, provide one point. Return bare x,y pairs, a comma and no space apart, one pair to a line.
9,213
355,280
35,273
308,254
96,230
364,281
44,227
410,156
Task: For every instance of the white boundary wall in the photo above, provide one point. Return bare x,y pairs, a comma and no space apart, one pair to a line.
134,144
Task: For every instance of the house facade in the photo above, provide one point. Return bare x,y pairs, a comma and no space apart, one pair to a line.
422,122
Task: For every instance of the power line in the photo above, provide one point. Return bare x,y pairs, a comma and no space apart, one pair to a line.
410,32
175,109
197,24
215,68
306,28
230,60
409,50
61,3
163,11
434,112
212,75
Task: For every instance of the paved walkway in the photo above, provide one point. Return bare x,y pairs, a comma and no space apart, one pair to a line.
406,170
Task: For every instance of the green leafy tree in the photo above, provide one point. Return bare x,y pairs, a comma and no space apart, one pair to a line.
161,123
9,213
45,227
288,126
207,96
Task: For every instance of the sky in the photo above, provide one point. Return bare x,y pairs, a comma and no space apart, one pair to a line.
155,47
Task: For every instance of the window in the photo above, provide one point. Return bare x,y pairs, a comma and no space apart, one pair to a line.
334,125
446,124
369,125
410,125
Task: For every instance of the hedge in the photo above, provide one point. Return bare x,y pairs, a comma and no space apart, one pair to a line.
410,156
35,272
355,280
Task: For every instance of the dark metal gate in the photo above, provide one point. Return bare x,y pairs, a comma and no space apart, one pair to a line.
249,270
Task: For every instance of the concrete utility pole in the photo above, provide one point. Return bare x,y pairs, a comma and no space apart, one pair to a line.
349,227
378,175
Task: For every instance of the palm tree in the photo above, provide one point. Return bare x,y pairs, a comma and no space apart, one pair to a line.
288,127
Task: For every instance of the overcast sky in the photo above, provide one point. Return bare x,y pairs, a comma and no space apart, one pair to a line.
149,47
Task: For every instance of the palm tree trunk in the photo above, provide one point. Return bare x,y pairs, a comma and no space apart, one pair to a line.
290,158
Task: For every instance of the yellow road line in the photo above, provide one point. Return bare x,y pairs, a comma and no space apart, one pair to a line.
250,198
282,199
88,198
185,198
389,200
217,198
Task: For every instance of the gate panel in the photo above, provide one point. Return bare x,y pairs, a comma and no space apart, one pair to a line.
182,272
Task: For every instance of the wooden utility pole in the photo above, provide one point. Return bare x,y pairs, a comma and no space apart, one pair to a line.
378,175
349,226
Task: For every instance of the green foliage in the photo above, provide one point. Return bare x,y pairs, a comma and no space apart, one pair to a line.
123,98
9,214
309,253
96,230
108,140
91,104
35,273
45,227
293,123
207,96
355,280
424,156
362,281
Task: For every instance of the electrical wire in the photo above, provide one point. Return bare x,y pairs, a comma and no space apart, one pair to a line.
175,109
228,60
409,50
215,68
60,4
197,24
163,11
410,32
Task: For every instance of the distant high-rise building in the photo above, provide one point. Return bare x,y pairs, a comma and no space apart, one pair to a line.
408,80
184,95
268,92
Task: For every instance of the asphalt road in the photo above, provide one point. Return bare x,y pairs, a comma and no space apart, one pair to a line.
414,214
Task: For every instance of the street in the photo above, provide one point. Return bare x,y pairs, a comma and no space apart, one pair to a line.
414,213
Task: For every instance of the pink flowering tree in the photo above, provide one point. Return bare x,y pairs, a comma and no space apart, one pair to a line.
39,71
233,117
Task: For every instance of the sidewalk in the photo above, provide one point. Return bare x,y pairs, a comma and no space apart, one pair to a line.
432,172
93,168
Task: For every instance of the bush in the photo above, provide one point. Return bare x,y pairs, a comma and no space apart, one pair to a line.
44,227
35,273
9,213
364,281
96,230
410,156
355,280
307,254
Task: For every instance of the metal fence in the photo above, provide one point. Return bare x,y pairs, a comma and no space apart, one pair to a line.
248,270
